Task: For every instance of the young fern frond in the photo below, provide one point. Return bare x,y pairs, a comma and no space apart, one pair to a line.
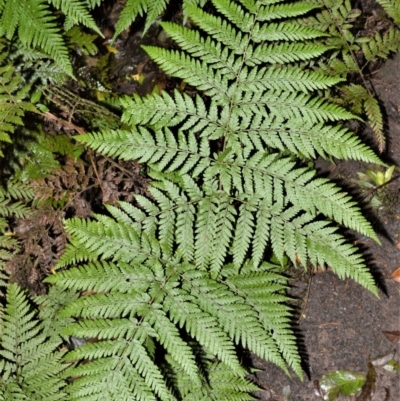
81,40
352,54
381,46
362,102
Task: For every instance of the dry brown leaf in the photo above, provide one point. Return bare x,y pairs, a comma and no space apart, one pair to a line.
396,275
393,336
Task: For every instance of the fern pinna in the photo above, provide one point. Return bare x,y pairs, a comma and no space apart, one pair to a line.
173,284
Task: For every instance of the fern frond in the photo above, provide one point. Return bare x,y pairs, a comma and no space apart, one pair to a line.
375,118
13,105
277,11
77,13
264,293
82,40
180,273
237,318
37,27
17,190
392,7
163,153
219,383
381,46
152,8
325,247
362,101
289,78
31,365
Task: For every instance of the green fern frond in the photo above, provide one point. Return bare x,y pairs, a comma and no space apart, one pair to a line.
31,364
50,305
36,28
82,40
133,8
77,13
392,7
93,3
13,203
375,119
257,289
362,101
326,247
220,383
13,105
185,264
381,46
199,308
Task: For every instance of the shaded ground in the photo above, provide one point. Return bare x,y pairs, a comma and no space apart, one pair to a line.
341,324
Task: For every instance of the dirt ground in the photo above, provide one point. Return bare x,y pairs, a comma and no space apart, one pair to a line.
341,323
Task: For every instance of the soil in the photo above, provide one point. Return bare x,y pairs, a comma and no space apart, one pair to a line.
341,324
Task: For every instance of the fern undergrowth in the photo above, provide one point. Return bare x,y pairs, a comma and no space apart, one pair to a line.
165,292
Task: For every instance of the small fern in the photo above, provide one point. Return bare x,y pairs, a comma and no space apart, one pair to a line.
362,102
381,46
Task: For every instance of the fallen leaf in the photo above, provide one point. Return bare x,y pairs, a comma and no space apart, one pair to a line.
344,382
396,275
382,361
393,336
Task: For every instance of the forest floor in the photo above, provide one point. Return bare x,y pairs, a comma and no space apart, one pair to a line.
340,324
